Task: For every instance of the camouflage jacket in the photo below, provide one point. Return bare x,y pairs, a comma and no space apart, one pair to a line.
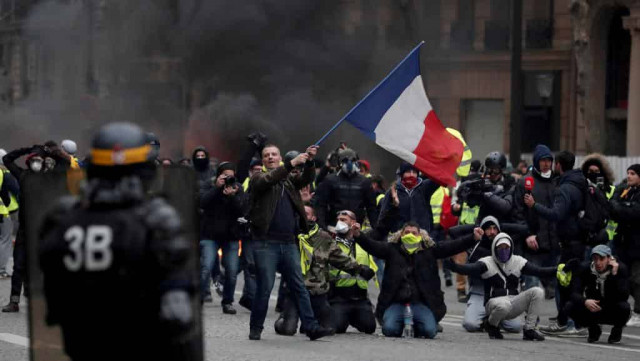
325,253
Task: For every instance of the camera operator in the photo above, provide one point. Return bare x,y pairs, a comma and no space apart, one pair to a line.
493,191
222,205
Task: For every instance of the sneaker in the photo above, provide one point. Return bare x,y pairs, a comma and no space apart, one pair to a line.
218,287
11,307
532,335
228,309
462,296
616,335
4,275
320,332
573,332
634,321
552,328
254,334
494,332
594,333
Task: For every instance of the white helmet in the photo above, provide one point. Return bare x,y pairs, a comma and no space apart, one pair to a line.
69,146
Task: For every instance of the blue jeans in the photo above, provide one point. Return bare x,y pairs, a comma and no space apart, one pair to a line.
424,323
284,256
230,261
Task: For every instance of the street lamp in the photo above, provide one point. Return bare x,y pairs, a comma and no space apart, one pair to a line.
544,85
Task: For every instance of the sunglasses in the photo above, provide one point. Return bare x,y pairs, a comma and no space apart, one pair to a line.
347,213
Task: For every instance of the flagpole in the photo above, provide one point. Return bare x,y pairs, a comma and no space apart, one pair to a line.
324,137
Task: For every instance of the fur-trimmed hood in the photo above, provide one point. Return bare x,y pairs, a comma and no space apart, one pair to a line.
600,161
426,240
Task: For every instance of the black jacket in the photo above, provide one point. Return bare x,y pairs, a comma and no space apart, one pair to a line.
220,214
626,211
568,201
544,229
206,175
338,192
499,202
415,205
425,270
584,286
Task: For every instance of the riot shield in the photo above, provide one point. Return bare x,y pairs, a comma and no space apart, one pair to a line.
42,192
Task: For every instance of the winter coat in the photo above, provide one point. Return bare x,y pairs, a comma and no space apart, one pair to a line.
499,203
220,214
423,262
543,190
568,201
626,211
266,190
584,286
415,205
601,162
340,191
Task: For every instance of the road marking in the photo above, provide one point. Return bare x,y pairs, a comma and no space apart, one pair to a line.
558,339
14,339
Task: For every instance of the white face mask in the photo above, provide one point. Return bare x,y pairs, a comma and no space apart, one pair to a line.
546,174
341,228
36,166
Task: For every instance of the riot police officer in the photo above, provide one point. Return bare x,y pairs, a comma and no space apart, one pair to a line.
115,263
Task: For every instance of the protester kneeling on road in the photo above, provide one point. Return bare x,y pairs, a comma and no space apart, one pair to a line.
318,250
600,292
411,278
501,272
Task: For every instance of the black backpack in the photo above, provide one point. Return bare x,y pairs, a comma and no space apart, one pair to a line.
593,219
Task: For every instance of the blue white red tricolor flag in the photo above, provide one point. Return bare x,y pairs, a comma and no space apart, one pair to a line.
397,115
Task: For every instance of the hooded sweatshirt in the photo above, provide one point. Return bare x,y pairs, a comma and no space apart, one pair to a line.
203,169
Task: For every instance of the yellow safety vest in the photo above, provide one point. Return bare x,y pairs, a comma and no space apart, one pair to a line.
306,251
465,164
363,258
13,206
436,203
612,225
469,215
379,199
245,184
4,211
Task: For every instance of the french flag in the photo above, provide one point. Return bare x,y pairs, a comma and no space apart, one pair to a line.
397,115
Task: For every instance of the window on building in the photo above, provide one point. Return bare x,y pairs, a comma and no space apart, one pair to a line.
496,30
539,28
462,29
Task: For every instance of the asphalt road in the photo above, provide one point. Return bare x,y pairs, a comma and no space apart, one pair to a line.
225,338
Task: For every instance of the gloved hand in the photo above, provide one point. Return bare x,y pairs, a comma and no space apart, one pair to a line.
448,263
572,265
366,273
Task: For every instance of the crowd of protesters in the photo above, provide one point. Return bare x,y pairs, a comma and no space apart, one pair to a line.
333,230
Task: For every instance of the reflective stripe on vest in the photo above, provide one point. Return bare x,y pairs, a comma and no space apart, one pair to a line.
379,199
245,184
612,225
469,215
13,206
4,211
436,203
465,163
306,251
344,279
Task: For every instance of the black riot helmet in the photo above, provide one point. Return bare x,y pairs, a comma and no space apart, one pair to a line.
119,150
290,156
495,160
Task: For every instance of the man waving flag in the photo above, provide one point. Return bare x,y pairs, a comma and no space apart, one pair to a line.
397,115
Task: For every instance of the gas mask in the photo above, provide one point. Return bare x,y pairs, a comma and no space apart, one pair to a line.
350,166
35,165
342,228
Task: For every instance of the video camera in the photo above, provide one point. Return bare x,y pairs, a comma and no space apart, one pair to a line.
471,190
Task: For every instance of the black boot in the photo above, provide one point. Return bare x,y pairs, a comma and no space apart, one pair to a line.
494,332
616,335
254,334
319,332
594,333
11,307
228,309
532,335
